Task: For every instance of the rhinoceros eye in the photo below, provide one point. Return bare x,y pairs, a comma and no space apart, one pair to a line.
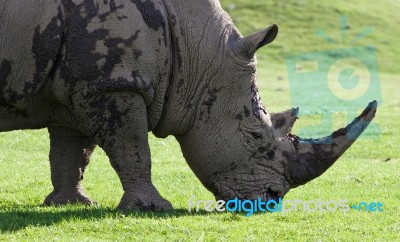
256,135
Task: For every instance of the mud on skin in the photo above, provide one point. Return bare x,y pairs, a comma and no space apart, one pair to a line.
107,72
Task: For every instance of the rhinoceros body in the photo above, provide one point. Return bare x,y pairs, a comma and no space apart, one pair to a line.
53,50
105,72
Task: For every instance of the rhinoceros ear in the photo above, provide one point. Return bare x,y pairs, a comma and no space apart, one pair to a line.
249,45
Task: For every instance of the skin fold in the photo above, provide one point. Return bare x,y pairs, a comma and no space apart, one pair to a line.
107,72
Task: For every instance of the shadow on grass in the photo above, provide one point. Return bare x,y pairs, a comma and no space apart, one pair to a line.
15,219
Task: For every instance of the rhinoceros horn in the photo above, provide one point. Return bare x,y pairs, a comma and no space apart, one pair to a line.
309,158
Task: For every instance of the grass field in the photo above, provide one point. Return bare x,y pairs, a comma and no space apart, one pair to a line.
369,171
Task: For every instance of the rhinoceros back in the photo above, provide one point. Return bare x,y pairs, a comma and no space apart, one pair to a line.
115,46
83,47
30,39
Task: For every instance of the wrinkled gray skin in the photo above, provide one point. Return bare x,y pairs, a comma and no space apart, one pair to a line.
105,72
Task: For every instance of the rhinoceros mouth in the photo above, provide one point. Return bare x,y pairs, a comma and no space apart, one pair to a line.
271,195
265,197
265,202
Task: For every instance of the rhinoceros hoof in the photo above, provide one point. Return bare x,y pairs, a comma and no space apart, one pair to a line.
144,202
58,198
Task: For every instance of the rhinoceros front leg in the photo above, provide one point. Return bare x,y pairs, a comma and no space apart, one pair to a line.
118,121
69,155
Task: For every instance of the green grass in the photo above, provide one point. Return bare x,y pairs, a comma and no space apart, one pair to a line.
369,171
299,21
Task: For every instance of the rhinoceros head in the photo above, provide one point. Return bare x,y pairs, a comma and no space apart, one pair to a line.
239,150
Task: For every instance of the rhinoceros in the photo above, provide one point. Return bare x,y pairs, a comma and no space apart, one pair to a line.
106,72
